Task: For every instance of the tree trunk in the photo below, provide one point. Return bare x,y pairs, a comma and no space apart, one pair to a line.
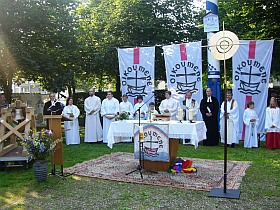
70,91
118,85
7,86
74,90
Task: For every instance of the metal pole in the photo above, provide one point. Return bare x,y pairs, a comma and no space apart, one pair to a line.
225,125
213,64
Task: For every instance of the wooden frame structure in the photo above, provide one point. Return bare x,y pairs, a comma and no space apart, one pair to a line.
8,131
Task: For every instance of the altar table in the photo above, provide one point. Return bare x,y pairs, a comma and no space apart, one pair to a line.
196,132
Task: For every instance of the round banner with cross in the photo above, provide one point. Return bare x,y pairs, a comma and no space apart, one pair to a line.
223,45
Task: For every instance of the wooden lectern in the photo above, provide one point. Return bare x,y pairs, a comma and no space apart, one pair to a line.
54,123
161,165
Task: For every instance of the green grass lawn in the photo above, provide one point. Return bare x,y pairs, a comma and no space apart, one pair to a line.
260,188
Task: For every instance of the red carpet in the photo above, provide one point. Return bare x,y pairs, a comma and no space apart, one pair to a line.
209,172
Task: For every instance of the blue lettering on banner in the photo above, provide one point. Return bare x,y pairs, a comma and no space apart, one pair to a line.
250,75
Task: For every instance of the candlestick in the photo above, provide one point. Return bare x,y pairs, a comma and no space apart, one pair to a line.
180,114
150,115
141,133
191,112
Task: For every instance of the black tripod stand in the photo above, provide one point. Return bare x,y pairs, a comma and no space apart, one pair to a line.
140,167
141,155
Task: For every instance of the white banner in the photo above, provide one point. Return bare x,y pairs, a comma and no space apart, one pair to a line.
183,63
251,72
136,67
156,142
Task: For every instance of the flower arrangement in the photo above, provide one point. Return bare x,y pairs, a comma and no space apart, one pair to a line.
122,116
40,144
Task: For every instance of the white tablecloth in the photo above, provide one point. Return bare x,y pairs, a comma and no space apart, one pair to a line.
196,132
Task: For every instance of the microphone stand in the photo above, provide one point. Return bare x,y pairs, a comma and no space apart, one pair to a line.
140,167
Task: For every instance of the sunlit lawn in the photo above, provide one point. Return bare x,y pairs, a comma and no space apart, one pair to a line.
19,189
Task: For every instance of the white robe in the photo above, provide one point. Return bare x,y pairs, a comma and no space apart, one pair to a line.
232,123
154,112
171,105
72,134
127,107
251,139
190,105
93,129
143,109
272,118
108,107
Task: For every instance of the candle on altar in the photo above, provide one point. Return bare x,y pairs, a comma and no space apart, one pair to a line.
191,112
150,115
141,133
180,114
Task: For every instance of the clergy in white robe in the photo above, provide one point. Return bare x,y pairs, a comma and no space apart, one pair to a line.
272,125
169,106
126,106
189,103
250,120
232,116
72,134
143,109
109,110
93,129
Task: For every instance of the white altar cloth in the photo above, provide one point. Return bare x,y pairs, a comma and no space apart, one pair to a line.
196,132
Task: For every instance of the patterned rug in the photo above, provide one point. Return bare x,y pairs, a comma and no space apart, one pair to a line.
209,172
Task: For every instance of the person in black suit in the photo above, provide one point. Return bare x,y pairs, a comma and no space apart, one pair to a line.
209,108
52,106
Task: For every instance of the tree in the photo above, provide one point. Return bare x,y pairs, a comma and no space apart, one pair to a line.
109,24
254,20
9,48
39,37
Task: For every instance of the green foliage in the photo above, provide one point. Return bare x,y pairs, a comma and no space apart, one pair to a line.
71,44
253,20
40,37
40,144
122,116
109,24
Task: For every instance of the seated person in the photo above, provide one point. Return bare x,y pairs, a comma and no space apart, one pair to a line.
152,110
